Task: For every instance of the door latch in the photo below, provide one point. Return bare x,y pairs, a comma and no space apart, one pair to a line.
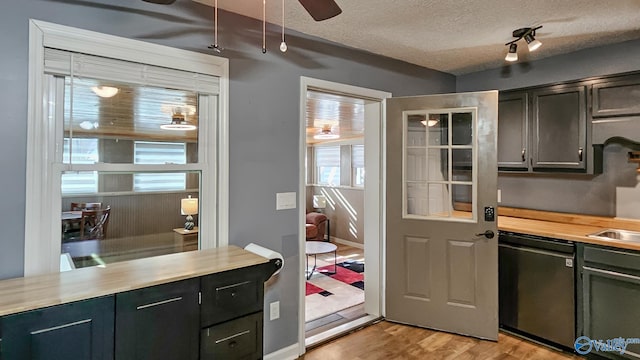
488,234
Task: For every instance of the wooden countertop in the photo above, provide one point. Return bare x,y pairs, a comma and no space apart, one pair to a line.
572,227
33,292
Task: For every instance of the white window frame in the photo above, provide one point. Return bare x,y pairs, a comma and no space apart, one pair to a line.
43,200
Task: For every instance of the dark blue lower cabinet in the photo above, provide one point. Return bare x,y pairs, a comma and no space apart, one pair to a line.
236,339
79,330
159,322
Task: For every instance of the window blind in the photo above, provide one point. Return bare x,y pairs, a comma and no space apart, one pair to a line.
357,156
85,151
148,152
59,62
327,156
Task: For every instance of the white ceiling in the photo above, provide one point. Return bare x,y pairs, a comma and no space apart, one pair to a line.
457,36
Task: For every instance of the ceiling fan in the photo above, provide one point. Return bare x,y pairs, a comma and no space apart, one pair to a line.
318,9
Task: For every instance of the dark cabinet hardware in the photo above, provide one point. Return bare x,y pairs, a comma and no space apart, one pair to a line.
524,154
580,154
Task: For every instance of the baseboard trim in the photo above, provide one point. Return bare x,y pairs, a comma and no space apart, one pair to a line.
288,353
347,242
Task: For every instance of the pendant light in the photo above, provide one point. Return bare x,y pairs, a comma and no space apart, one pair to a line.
178,122
283,44
326,134
264,26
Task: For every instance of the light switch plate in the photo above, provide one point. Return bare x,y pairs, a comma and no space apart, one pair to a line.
285,201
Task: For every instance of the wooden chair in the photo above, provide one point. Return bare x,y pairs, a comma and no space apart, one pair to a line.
94,224
86,206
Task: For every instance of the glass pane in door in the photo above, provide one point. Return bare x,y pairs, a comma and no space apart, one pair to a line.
439,175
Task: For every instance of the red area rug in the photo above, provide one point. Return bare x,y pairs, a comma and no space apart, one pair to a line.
342,274
312,289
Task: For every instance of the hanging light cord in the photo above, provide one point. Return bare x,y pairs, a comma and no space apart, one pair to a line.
264,26
283,44
215,45
215,28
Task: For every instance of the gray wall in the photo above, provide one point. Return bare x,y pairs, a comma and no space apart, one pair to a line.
264,119
345,211
613,192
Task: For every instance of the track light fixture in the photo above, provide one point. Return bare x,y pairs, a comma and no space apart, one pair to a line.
529,36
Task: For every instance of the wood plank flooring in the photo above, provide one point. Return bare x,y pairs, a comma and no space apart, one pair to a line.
386,340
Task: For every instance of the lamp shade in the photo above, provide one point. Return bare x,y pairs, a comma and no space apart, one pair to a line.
189,206
319,201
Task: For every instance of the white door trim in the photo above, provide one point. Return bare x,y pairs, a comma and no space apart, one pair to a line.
42,253
374,193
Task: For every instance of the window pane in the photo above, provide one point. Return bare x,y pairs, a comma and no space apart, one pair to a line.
131,113
462,128
438,128
85,151
357,164
328,165
138,224
159,153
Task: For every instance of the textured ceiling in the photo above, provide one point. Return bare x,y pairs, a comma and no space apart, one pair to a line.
457,36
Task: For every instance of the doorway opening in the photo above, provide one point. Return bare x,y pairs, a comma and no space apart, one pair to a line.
341,209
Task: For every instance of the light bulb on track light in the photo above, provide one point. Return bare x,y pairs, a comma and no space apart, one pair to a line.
512,55
532,43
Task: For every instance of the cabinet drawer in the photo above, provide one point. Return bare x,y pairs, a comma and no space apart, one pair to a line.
229,295
612,258
237,339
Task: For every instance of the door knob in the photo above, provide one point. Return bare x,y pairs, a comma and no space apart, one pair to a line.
488,234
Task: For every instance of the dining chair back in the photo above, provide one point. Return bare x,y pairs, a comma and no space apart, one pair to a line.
94,224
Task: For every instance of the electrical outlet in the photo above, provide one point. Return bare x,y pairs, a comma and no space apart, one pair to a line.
274,310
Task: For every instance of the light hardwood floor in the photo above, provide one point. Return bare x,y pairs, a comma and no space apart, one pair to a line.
386,340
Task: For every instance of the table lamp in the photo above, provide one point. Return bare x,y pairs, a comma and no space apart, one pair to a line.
319,202
189,207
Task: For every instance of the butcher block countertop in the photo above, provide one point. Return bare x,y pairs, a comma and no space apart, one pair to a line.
572,227
34,292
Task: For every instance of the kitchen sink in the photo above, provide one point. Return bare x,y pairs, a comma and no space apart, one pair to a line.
618,235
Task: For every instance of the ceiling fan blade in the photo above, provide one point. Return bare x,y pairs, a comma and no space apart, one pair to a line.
161,2
321,9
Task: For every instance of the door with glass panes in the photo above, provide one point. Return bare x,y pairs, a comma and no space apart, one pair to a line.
441,221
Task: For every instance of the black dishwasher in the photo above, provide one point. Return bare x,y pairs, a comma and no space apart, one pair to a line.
537,287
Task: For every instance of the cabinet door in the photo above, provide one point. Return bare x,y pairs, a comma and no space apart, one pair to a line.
559,128
159,322
513,131
611,309
79,330
617,97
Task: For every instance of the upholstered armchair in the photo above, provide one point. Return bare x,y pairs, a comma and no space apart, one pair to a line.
317,225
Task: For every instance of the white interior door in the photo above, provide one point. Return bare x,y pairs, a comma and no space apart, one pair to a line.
441,269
